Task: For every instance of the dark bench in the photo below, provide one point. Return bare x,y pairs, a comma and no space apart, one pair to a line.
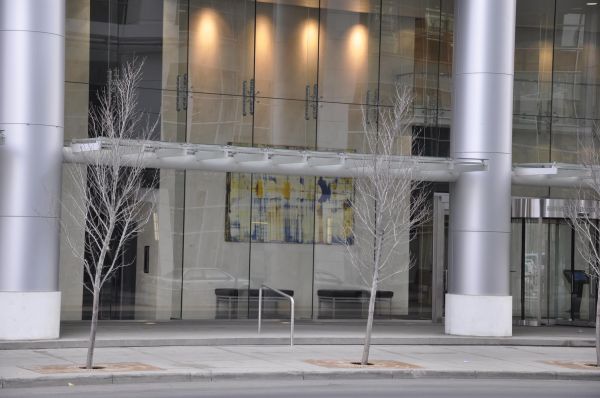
228,298
351,302
384,297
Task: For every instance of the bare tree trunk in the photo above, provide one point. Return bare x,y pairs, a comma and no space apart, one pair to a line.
598,322
93,328
96,302
367,345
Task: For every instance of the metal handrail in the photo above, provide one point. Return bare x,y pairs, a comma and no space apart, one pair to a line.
291,307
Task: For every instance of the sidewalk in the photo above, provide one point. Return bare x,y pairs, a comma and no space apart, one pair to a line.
244,332
210,351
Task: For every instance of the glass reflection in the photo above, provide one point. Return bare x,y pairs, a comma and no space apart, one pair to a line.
215,270
410,49
287,37
531,139
285,123
219,119
349,51
568,137
533,57
221,45
576,72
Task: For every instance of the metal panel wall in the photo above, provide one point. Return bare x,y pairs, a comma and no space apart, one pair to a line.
482,128
31,115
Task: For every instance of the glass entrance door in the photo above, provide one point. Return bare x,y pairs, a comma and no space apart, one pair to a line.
549,280
535,271
561,262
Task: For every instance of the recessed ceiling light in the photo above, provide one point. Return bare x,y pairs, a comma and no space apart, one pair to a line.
592,3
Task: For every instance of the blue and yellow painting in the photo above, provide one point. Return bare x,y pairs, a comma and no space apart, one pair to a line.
288,209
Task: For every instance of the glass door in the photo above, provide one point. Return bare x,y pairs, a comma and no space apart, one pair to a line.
286,56
220,110
516,261
582,286
561,261
549,278
534,270
221,71
348,72
282,212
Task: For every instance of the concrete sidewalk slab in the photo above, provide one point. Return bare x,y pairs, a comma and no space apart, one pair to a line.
214,364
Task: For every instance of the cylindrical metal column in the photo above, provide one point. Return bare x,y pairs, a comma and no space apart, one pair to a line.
479,301
32,119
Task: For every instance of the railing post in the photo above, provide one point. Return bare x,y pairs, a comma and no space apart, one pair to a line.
259,308
292,305
292,322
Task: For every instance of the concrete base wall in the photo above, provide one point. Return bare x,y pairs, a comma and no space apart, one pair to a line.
478,315
29,315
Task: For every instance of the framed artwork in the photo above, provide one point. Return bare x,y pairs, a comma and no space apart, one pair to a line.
288,209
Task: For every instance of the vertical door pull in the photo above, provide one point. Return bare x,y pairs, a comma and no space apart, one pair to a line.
376,103
178,99
182,92
315,101
252,96
306,99
244,98
367,113
185,91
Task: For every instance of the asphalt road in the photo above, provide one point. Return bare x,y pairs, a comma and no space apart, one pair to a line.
422,388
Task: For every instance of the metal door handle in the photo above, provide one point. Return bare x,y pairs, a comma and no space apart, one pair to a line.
185,91
368,107
244,98
315,100
306,97
178,98
376,103
252,96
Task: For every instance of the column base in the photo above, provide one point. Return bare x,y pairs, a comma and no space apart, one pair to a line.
29,315
478,315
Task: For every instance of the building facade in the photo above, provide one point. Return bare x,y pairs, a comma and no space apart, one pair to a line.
511,82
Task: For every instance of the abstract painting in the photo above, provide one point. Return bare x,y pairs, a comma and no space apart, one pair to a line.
288,209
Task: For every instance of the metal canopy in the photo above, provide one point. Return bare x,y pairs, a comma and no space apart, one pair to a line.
223,158
550,174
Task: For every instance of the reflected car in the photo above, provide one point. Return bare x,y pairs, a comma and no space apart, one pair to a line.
198,289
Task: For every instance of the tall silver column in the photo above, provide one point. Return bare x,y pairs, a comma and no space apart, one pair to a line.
479,301
31,116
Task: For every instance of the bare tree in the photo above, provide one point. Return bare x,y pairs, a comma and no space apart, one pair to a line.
112,196
584,221
388,202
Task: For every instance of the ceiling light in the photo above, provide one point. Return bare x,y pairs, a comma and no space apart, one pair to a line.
592,3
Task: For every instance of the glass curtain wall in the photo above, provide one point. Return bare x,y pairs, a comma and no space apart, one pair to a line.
303,74
307,74
293,74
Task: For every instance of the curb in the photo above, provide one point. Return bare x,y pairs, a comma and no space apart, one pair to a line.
178,377
449,341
